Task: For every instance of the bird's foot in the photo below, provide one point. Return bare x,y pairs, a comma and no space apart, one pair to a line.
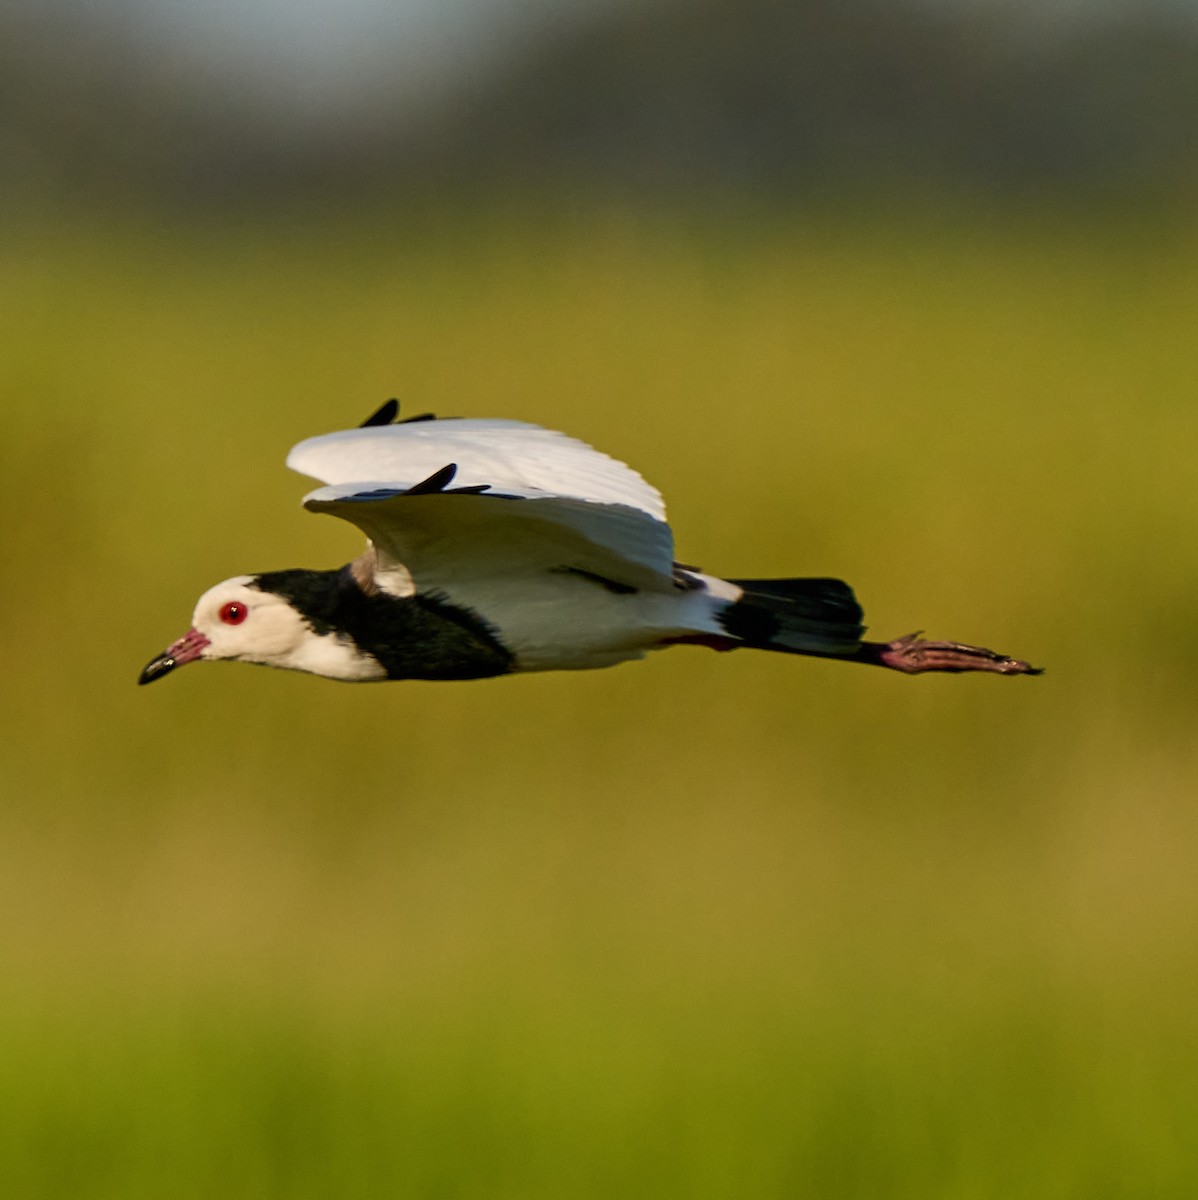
913,654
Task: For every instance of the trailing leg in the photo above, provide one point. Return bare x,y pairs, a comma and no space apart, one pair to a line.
913,655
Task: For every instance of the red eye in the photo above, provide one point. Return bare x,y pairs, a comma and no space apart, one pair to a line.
233,613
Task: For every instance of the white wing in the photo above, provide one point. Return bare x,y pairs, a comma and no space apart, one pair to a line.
485,549
510,456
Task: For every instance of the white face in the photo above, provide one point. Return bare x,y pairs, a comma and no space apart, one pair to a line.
240,622
247,625
237,621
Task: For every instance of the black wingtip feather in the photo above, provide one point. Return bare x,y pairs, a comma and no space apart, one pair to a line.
436,482
384,415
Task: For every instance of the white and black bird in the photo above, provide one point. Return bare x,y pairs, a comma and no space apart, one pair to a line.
496,547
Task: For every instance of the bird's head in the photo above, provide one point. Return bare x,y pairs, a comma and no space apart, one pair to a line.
280,619
238,621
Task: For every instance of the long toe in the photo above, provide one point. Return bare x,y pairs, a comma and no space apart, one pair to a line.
914,655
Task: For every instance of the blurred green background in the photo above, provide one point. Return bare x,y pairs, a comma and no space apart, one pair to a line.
704,926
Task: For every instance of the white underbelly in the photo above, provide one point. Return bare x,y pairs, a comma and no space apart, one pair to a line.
567,622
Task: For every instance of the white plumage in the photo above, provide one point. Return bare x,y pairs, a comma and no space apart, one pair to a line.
504,455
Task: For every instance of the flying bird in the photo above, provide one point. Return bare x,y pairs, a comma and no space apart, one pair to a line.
497,547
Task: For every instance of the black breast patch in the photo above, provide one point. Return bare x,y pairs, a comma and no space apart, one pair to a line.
412,637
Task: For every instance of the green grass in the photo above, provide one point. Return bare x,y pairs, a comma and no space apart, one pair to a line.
706,926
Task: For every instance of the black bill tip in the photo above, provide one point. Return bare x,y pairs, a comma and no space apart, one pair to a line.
156,668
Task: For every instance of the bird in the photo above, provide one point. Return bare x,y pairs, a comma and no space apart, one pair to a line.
497,547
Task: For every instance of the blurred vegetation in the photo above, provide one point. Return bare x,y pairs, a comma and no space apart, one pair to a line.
704,926
787,98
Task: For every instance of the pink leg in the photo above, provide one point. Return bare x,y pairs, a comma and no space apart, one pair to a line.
913,654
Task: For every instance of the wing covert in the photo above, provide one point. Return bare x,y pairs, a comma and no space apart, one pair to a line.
507,455
454,540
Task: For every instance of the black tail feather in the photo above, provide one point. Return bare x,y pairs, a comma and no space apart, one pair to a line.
796,616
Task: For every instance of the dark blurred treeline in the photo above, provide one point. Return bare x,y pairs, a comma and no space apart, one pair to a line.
779,98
